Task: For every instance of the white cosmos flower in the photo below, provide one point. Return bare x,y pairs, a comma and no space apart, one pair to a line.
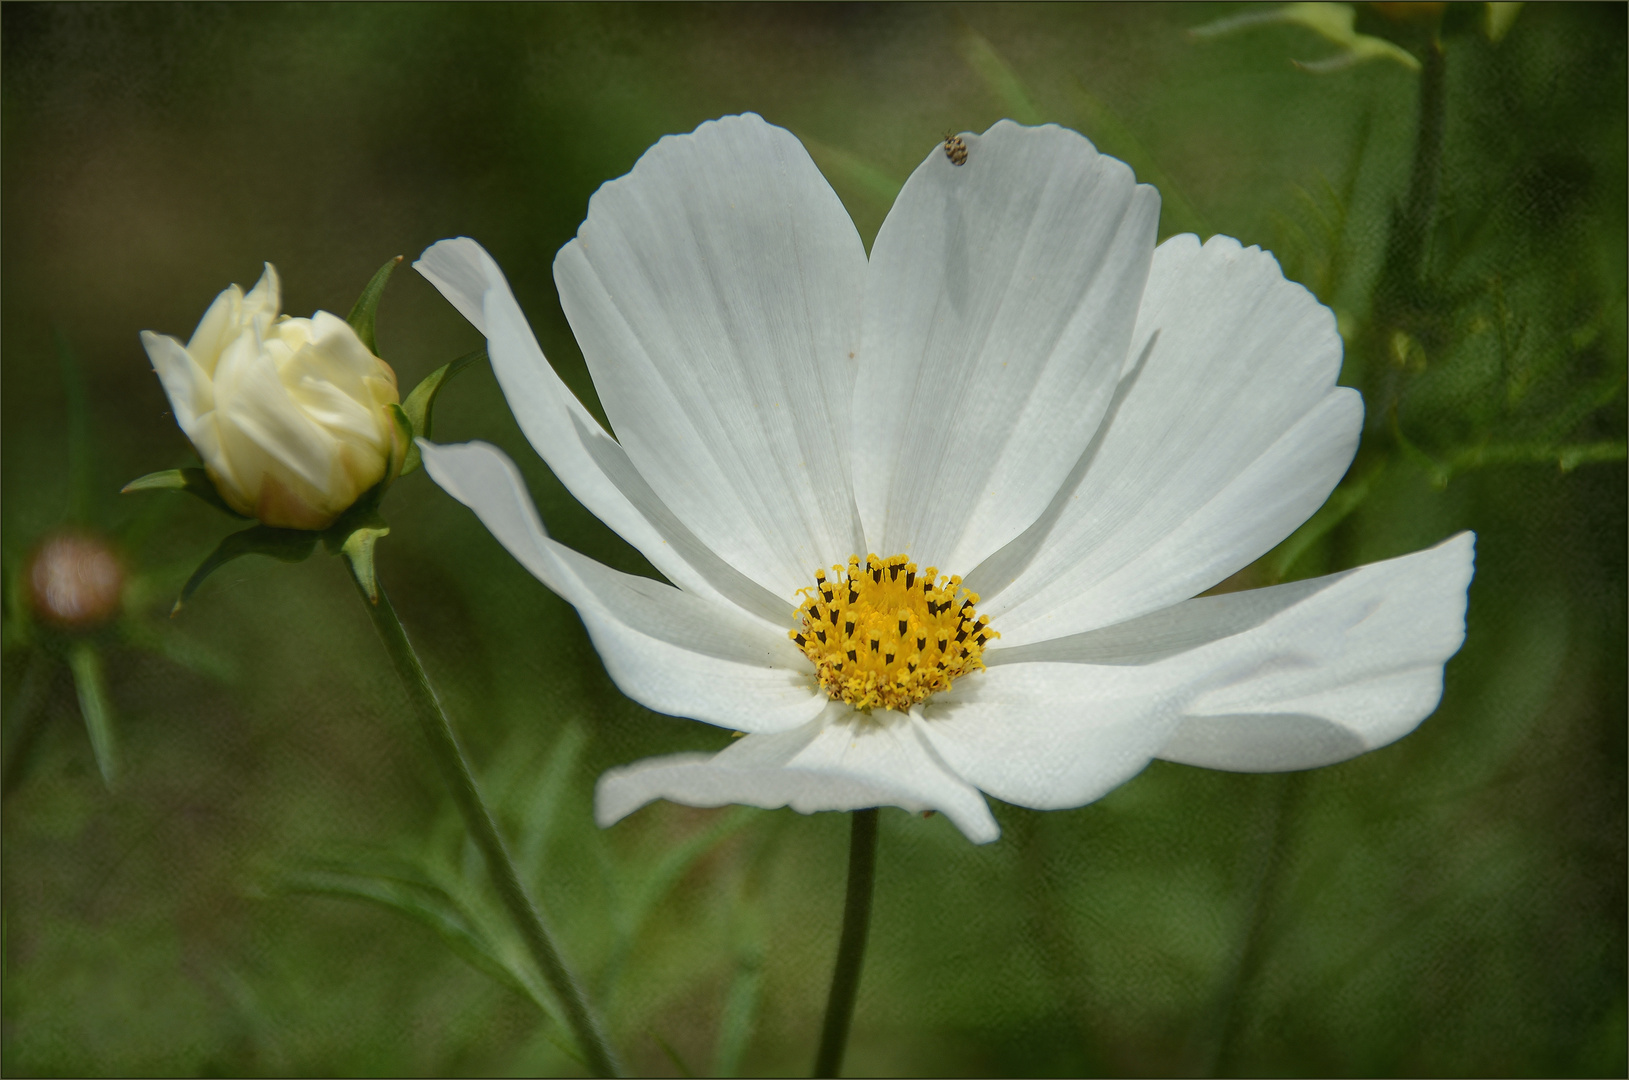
1016,387
289,415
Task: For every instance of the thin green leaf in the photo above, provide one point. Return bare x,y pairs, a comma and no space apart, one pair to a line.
195,656
418,407
366,308
740,1015
545,790
673,1055
998,76
408,893
85,661
644,897
1567,458
193,481
287,545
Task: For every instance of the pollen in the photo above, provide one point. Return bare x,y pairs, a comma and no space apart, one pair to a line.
882,635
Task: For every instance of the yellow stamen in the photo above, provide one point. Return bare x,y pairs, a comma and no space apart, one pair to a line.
882,635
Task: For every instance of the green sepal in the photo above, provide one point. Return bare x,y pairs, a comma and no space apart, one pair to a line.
96,705
358,551
354,536
287,545
404,432
193,481
367,305
419,403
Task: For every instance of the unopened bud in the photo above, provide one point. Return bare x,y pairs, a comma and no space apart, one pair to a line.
74,581
291,416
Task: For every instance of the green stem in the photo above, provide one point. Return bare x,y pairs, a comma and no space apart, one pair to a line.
845,978
1425,176
456,770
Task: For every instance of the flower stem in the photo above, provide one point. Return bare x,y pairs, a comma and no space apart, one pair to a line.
483,829
845,978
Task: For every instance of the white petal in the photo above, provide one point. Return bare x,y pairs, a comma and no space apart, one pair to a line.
262,429
223,322
1054,735
998,310
715,291
185,383
1292,676
840,761
265,300
669,650
1226,433
592,465
1354,666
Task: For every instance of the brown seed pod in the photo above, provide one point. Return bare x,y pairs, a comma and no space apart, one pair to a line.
73,581
955,150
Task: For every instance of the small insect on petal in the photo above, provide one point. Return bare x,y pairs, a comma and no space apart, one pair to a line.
955,150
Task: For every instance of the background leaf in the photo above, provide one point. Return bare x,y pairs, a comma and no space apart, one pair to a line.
1450,905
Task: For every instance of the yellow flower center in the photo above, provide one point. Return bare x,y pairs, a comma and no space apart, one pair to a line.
882,635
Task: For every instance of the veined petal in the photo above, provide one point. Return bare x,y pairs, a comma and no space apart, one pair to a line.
1054,735
1226,433
593,466
715,291
1288,677
1355,665
669,650
840,761
999,305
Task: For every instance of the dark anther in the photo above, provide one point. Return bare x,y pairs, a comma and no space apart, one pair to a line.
893,572
961,635
834,616
910,579
821,634
799,640
874,644
888,658
876,575
852,655
853,594
921,643
848,628
903,626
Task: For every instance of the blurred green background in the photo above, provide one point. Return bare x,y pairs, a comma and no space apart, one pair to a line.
274,882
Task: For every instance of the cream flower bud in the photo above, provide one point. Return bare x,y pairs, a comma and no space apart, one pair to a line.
291,416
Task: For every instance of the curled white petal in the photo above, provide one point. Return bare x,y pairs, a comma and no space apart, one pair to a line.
592,465
840,761
1279,678
669,650
290,416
